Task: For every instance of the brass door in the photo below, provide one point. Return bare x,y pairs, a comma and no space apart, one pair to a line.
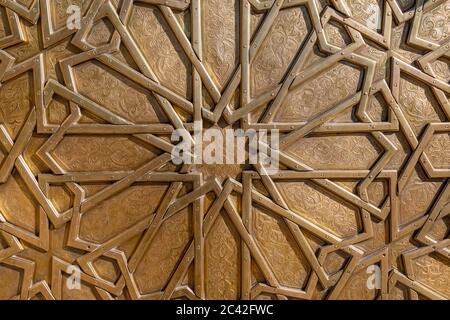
91,91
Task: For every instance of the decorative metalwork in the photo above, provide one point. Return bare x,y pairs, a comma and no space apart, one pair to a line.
359,90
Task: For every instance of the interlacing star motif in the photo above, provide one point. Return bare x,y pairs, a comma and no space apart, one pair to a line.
89,99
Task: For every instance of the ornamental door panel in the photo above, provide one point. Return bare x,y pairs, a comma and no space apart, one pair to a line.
352,94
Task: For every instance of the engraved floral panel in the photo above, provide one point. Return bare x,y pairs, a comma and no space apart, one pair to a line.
117,93
60,10
435,25
441,68
101,153
164,253
280,47
440,229
336,35
73,190
336,152
417,197
15,103
277,243
221,37
356,288
419,105
319,94
17,206
222,260
24,50
55,54
101,33
438,151
120,212
162,51
434,273
367,12
321,207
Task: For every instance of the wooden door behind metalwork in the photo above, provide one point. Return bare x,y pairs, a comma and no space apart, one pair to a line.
358,89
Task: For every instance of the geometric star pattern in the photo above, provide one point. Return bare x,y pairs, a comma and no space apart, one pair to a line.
358,89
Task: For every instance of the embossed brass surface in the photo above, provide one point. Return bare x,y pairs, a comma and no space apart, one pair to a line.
358,88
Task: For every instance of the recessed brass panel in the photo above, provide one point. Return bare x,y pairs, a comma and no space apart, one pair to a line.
358,89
